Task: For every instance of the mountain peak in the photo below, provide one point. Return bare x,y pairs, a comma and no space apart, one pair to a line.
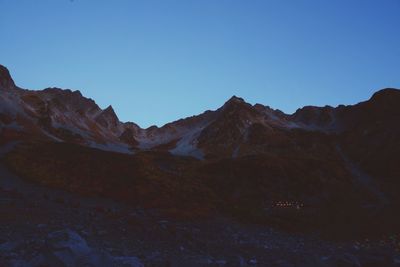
109,109
6,81
386,93
110,113
236,99
107,117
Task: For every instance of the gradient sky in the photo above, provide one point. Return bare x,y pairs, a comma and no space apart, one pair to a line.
158,61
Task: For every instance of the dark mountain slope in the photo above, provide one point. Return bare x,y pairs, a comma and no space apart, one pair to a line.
242,160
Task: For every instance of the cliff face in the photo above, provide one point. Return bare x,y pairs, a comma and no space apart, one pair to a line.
6,82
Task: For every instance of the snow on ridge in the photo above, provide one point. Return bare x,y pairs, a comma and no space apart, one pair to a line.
187,145
80,117
150,138
10,104
112,147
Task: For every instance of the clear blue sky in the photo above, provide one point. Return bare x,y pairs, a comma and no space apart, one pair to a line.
158,61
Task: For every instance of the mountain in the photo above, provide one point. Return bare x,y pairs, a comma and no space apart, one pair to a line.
237,128
339,164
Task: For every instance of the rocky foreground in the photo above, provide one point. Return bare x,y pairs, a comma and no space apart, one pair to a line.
43,227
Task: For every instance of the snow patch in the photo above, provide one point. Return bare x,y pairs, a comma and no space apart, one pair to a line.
113,147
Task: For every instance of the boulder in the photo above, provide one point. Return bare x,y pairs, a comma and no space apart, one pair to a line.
67,248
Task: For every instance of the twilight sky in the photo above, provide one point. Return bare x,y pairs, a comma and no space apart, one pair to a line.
158,61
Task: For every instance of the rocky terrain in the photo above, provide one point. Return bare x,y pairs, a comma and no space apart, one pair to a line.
45,227
239,186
